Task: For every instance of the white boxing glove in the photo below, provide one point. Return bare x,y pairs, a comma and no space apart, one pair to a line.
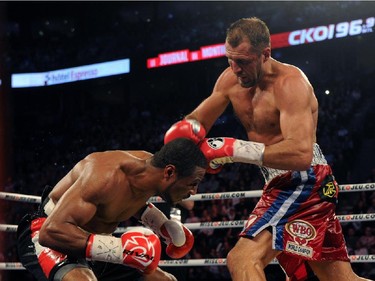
178,238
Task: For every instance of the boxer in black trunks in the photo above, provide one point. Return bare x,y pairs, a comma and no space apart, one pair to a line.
70,238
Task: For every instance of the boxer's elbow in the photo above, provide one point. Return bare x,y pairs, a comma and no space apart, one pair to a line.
64,238
48,235
304,164
304,156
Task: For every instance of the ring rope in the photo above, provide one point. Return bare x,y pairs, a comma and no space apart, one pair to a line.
19,197
222,224
204,225
196,262
198,197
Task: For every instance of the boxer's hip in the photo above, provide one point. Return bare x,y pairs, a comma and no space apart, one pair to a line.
299,207
318,159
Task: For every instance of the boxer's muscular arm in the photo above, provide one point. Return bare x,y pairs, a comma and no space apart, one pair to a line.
294,100
75,208
297,105
210,109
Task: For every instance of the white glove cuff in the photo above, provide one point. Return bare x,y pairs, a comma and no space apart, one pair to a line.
153,218
248,152
106,248
176,233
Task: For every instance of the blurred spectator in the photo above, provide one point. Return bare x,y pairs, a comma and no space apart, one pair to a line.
351,239
360,249
368,238
47,142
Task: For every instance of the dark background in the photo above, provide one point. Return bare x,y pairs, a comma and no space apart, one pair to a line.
45,130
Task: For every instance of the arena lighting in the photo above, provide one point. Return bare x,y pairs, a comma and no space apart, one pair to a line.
68,75
278,40
327,92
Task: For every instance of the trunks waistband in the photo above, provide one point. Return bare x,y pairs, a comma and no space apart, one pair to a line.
318,159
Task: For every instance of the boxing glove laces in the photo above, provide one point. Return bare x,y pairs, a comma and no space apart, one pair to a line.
176,236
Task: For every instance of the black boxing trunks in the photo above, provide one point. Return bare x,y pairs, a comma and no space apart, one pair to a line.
46,264
299,207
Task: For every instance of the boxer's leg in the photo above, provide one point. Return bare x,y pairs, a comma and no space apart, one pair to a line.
159,275
248,258
335,265
77,274
334,271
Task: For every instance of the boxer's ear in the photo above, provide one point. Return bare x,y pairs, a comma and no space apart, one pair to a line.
266,53
169,171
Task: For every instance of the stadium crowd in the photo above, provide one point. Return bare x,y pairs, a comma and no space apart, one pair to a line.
48,142
46,148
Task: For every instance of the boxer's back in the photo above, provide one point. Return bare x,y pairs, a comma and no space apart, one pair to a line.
104,180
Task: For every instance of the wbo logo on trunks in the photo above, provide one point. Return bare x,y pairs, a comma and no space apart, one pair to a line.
301,232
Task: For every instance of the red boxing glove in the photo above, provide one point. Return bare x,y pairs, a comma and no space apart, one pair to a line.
138,248
187,128
178,238
219,151
141,249
174,251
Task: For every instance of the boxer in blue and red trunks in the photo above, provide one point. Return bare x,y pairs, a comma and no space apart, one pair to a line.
299,209
294,220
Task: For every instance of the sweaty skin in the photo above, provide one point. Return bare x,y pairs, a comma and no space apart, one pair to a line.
276,104
279,110
103,190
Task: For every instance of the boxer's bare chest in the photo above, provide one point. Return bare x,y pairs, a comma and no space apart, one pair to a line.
256,110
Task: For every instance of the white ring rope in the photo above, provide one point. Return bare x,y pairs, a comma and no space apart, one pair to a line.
196,262
205,225
222,224
198,197
19,197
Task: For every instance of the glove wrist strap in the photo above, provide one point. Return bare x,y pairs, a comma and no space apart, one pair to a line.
104,248
248,152
153,218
